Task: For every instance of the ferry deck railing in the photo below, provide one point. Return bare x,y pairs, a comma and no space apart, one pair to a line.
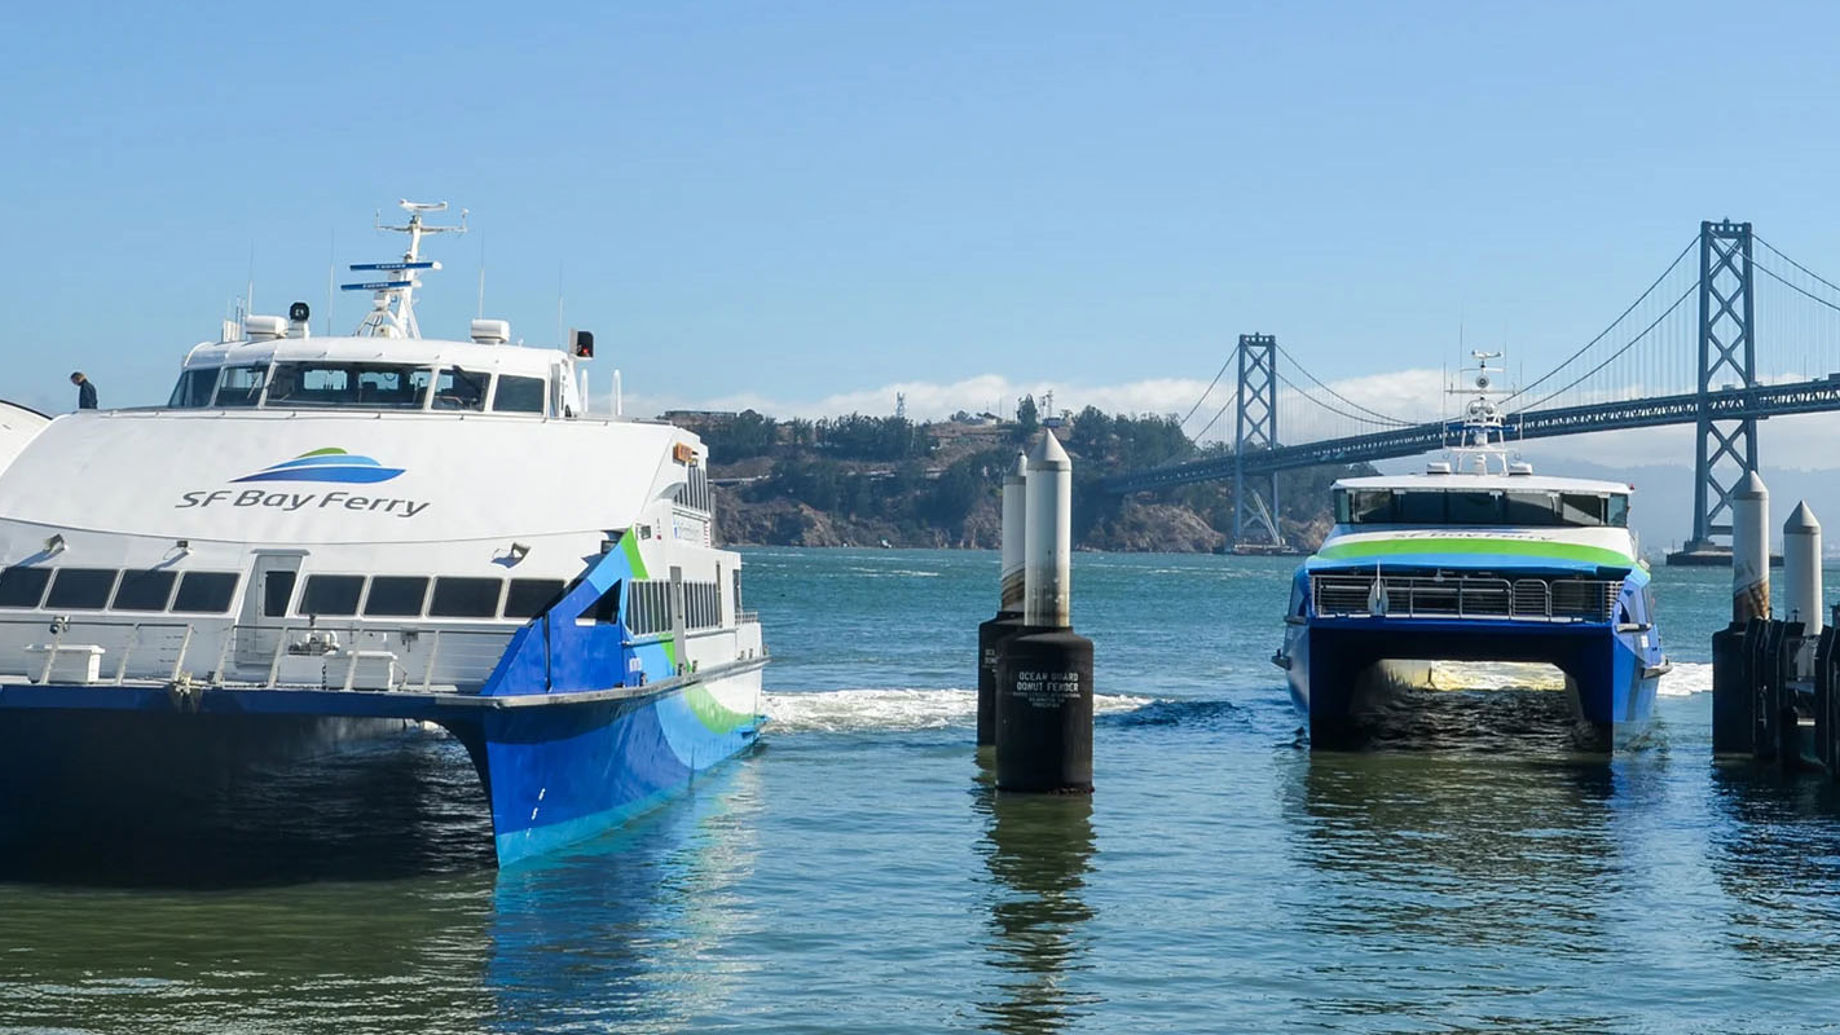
1352,595
106,651
295,653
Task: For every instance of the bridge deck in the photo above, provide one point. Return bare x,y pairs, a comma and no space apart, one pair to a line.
1761,402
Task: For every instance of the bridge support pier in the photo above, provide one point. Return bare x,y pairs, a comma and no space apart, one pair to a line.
1255,514
1726,450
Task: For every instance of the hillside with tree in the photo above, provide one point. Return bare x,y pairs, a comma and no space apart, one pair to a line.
857,480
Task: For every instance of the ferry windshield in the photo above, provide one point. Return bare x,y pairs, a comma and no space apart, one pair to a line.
368,385
1480,507
240,386
193,390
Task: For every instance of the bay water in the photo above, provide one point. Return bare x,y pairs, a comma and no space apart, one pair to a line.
1470,872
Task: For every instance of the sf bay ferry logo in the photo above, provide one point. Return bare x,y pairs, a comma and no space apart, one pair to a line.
325,465
321,465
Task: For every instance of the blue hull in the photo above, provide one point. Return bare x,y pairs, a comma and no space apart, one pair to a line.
127,760
556,776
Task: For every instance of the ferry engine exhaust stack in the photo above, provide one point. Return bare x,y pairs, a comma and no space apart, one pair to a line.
1044,699
1008,621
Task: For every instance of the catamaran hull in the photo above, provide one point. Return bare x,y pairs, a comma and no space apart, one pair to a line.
556,776
87,765
1336,669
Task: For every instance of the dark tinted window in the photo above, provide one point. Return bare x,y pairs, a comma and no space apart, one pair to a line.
194,389
465,598
277,590
1473,508
531,597
332,383
144,590
399,595
606,610
1370,506
1579,509
519,394
457,389
205,592
240,386
1421,508
86,588
1529,508
331,595
23,587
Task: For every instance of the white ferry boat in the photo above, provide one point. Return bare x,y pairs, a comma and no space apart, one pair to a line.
319,533
1475,559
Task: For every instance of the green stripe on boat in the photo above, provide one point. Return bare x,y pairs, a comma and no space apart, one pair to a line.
1538,548
711,713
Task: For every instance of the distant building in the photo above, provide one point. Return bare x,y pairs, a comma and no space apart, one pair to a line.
699,420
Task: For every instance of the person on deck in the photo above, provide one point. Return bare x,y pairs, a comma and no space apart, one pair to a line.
86,391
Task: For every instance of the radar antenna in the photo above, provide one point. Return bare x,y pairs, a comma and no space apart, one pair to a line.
1480,438
392,312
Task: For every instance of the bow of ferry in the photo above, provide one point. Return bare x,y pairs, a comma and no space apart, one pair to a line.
325,540
1370,612
1475,559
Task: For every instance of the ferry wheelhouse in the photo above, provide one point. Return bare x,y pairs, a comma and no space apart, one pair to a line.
1475,559
320,537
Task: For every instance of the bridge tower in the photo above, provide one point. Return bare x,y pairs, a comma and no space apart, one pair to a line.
1256,428
1726,449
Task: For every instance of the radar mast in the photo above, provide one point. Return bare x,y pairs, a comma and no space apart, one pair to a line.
392,312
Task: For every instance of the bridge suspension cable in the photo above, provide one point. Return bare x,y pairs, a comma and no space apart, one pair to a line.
1601,335
1379,418
1797,288
1358,418
1196,438
1778,252
1209,390
1581,378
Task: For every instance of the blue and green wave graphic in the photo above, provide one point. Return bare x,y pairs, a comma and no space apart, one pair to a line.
325,465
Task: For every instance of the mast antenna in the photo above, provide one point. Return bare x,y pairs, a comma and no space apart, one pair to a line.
392,312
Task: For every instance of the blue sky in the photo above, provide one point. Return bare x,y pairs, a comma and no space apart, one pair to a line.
804,204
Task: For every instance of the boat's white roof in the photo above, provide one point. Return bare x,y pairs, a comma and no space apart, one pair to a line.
18,426
1466,482
509,359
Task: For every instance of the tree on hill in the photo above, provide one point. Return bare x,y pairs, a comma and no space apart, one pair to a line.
1027,417
748,435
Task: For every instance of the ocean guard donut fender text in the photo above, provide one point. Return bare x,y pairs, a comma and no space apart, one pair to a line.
337,499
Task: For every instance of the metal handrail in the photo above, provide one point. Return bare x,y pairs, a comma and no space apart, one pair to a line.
1467,596
290,653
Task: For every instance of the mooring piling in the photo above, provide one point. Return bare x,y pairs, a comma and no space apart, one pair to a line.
1775,680
1044,699
1008,620
1750,550
1801,577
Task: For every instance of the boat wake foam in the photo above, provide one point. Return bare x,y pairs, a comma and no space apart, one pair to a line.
1685,679
850,711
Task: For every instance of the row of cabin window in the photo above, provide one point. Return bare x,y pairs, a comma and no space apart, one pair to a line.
97,589
694,493
1480,507
409,596
648,606
366,385
702,605
211,592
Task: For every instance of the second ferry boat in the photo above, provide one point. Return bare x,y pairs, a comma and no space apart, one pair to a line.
1476,559
319,538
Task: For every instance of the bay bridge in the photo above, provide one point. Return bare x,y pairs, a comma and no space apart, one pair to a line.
1661,361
